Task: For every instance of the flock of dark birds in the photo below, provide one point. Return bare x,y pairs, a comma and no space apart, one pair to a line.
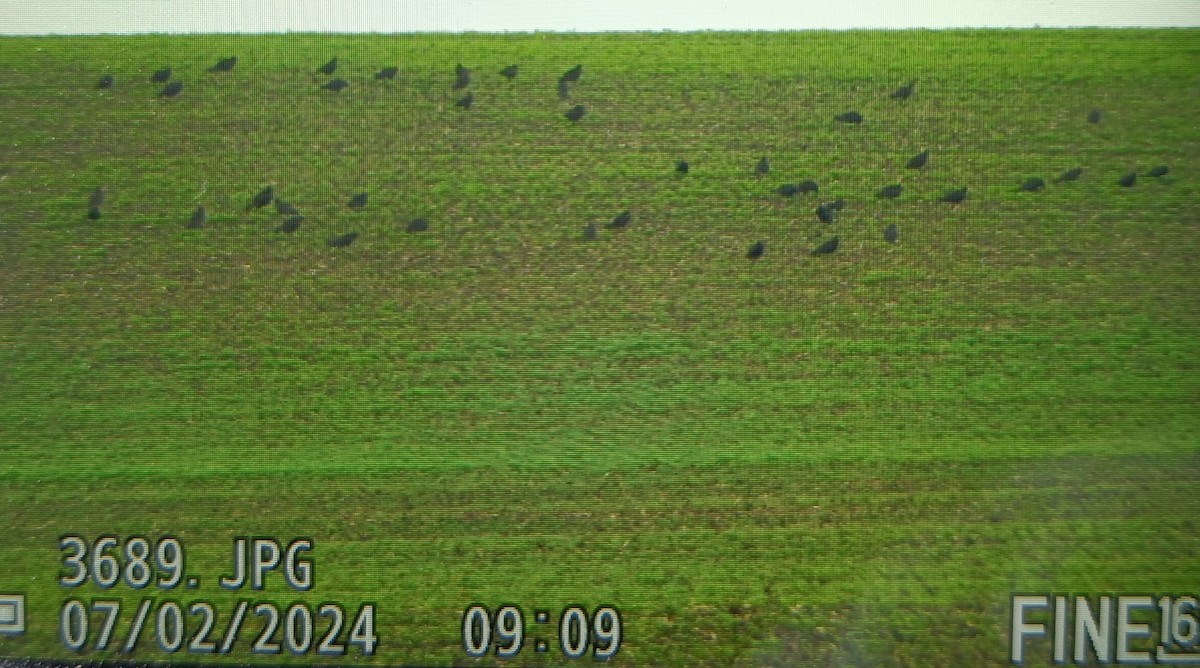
825,212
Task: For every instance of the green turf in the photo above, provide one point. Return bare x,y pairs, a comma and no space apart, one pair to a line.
843,460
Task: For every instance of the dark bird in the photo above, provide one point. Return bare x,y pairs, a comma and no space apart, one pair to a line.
589,232
955,196
161,76
286,208
891,234
1095,116
1161,170
510,72
172,89
575,113
417,225
290,225
827,247
756,251
807,186
329,67
917,161
387,73
1128,180
572,75
1070,175
621,221
337,85
1033,184
358,201
904,92
462,77
682,167
849,117
891,192
94,213
106,81
788,189
564,90
343,240
198,219
263,198
837,204
97,196
465,101
825,214
224,65
763,166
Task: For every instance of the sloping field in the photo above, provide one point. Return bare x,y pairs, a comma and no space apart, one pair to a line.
851,458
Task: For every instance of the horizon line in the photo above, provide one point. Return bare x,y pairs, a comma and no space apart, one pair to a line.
655,31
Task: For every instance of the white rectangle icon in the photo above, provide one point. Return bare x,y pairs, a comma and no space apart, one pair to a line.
12,614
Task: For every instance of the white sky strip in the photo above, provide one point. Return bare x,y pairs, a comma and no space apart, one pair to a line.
22,17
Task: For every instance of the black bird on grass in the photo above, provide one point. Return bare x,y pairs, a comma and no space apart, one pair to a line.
97,196
161,76
343,240
94,213
387,73
575,113
1033,185
1161,170
827,247
572,75
837,204
788,189
290,225
904,92
955,196
763,166
172,89
807,186
589,232
682,167
1070,175
417,225
852,117
329,67
262,199
891,234
918,161
462,77
106,81
756,251
825,214
621,220
198,219
890,192
1128,180
358,201
510,72
336,85
564,90
465,101
1095,116
286,208
224,64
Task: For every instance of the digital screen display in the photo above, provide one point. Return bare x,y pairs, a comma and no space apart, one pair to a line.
646,348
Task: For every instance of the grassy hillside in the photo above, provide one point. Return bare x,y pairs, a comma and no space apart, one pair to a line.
851,459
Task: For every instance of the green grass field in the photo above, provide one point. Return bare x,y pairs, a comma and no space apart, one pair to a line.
843,460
